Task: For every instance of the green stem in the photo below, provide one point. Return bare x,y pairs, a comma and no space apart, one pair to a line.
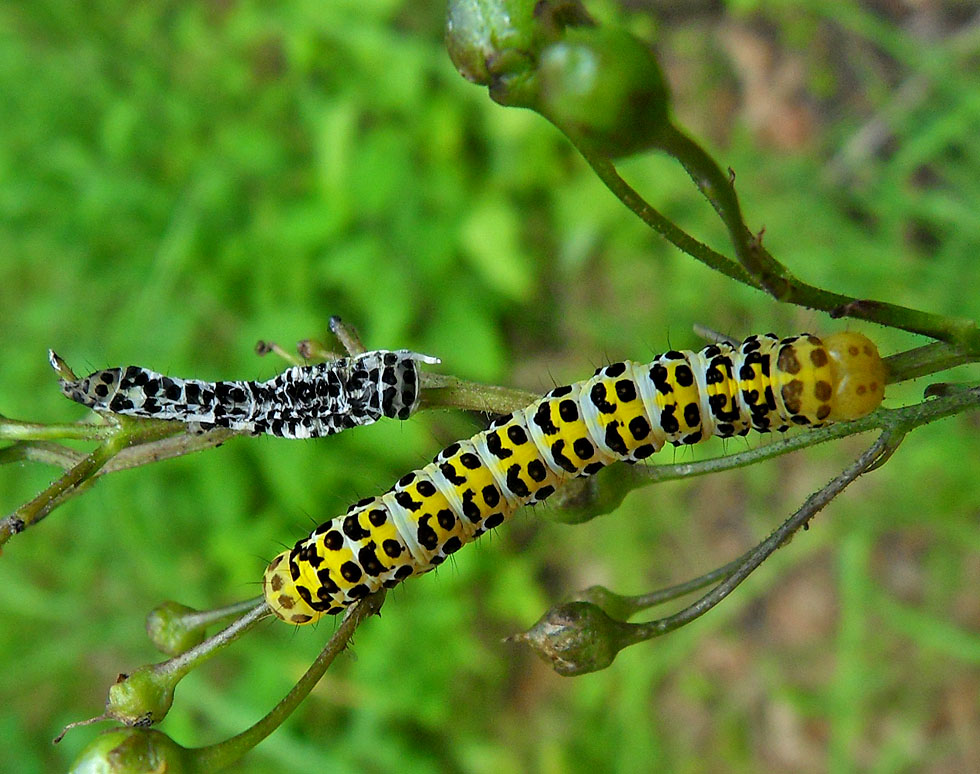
448,391
15,430
813,505
718,189
78,477
623,480
922,361
178,666
621,607
606,171
219,756
167,448
961,333
45,452
200,619
895,425
34,511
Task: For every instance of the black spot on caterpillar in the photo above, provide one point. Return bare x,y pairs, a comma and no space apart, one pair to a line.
301,402
625,412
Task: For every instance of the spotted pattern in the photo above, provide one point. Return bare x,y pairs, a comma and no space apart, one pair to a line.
302,402
625,412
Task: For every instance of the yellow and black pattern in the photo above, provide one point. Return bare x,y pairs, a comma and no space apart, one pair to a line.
625,412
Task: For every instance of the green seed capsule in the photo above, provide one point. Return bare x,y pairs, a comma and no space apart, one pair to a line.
496,43
174,628
576,638
604,88
143,697
132,751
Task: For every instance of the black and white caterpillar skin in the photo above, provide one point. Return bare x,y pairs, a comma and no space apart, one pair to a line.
625,412
301,402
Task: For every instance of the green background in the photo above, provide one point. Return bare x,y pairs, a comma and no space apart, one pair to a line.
179,180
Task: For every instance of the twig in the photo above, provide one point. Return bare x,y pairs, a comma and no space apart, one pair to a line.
813,505
225,753
961,333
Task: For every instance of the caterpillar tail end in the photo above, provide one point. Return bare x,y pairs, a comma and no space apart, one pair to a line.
859,375
283,597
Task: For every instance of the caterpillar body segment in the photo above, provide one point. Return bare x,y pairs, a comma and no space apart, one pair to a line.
625,412
301,402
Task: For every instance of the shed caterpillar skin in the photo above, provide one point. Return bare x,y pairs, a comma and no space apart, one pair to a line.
625,412
301,402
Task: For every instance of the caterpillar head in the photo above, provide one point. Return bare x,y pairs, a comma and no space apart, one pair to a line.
283,595
859,375
96,389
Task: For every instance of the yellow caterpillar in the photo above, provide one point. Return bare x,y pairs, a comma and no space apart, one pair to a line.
625,412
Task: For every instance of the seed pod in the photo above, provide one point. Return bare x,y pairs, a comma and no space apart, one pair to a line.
144,696
132,751
175,628
603,87
496,43
576,638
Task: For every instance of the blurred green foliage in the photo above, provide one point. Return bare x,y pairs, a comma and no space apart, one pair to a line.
178,180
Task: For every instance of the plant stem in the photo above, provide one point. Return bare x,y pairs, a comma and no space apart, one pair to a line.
203,618
895,425
180,665
606,171
718,189
16,430
622,480
448,391
79,476
621,607
961,333
219,756
45,452
813,505
925,360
